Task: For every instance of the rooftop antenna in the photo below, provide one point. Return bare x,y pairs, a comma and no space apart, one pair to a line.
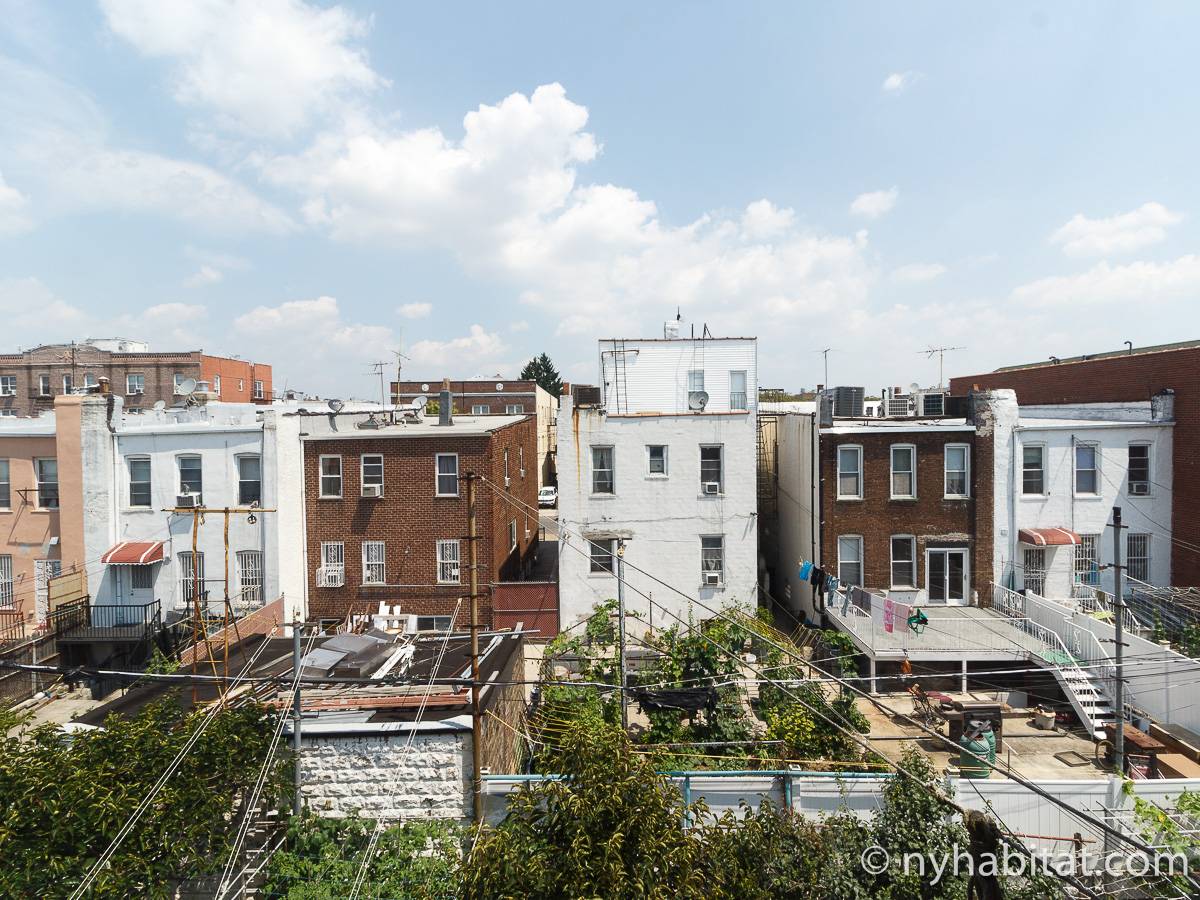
825,353
941,355
399,354
380,368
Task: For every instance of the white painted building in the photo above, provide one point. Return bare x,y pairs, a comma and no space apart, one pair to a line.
662,459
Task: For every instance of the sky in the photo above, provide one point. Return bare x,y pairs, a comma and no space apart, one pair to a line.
320,186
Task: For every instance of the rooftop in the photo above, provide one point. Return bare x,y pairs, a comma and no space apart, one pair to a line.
357,425
893,426
1136,351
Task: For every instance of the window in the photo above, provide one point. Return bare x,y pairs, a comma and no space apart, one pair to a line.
216,385
374,565
506,468
332,573
191,576
1033,469
249,480
433,623
177,381
712,559
44,385
259,392
849,474
737,390
696,380
481,409
89,381
1087,568
904,561
603,481
331,476
141,578
250,576
904,471
5,485
1087,474
656,455
521,461
1139,470
514,409
946,575
1137,556
6,582
68,383
139,481
958,475
8,385
447,475
850,560
47,483
241,385
448,571
711,474
371,472
1035,569
8,413
512,535
135,384
603,552
191,477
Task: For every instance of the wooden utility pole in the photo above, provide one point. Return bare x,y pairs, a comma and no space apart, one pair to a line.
1119,634
476,717
621,633
296,657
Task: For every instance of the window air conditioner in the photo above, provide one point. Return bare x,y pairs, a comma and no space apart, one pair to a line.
712,578
712,487
372,490
507,481
1139,489
187,501
522,473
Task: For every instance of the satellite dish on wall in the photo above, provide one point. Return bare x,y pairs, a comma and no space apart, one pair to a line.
160,405
335,405
499,385
697,400
187,387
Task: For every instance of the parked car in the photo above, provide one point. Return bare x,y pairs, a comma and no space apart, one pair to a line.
548,496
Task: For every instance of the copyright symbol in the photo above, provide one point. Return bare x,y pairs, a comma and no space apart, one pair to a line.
875,860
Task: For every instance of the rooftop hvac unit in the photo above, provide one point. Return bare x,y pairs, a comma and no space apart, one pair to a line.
587,395
898,407
933,404
372,490
848,402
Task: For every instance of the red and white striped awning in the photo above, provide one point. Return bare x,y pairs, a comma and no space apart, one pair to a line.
134,553
1048,537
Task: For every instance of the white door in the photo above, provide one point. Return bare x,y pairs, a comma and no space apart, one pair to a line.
141,585
946,576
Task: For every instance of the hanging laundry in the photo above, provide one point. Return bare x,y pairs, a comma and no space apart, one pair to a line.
905,664
846,603
862,599
818,579
889,614
831,584
917,621
805,570
902,613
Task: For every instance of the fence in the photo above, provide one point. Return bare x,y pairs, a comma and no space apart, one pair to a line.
16,686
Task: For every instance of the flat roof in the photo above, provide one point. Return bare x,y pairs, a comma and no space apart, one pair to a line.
1032,423
344,426
1108,354
891,426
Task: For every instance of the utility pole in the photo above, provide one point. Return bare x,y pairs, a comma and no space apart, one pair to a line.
1119,628
621,632
476,717
825,353
296,715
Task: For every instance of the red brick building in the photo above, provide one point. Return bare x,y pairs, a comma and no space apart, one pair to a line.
1128,375
386,513
906,506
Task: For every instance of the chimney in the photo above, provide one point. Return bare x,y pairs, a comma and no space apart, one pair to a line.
1162,406
445,404
103,382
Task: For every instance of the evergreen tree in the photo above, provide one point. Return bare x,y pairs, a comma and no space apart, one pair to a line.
541,370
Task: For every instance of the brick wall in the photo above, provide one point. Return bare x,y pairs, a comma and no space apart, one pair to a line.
472,393
932,519
533,603
1136,377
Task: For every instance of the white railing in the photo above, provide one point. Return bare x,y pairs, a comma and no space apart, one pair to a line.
1089,650
1008,602
1093,600
856,620
331,576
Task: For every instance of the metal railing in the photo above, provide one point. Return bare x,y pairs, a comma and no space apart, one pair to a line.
331,576
80,619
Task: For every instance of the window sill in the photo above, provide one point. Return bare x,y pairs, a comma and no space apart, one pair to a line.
1034,496
713,587
717,496
849,499
602,575
331,497
1086,497
603,496
446,496
905,499
956,496
654,477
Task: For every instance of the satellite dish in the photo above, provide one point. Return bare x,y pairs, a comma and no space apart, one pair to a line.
418,402
335,405
424,387
187,387
914,388
160,405
697,400
499,385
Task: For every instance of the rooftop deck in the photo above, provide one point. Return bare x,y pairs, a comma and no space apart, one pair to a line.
953,633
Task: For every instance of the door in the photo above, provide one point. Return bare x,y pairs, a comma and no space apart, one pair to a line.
141,585
946,576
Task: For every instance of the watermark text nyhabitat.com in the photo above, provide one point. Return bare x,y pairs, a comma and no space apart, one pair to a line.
1014,863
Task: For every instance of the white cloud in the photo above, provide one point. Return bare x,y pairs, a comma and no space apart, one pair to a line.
518,326
266,67
479,348
175,312
1137,282
1122,233
203,276
14,217
34,314
874,204
918,272
898,82
415,310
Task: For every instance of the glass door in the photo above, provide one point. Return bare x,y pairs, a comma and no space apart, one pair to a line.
946,576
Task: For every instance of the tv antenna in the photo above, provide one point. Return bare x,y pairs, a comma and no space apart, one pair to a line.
826,353
380,368
941,355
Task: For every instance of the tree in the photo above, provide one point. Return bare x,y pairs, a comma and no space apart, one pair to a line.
541,370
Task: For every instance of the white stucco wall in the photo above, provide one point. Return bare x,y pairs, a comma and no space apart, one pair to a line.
798,505
384,776
283,447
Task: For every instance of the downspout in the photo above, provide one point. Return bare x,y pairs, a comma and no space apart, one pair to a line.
1012,510
817,513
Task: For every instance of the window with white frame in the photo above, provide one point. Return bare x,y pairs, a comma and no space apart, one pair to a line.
259,391
737,391
446,467
696,380
433,623
712,559
514,409
1034,560
374,563
1087,469
250,577
177,380
47,483
656,459
135,383
1033,469
904,561
7,595
481,409
249,479
1087,561
849,472
139,481
331,476
191,576
191,477
448,568
850,559
904,471
10,413
333,564
89,381
712,474
5,485
8,385
1137,556
512,535
602,554
603,471
958,470
371,473
44,386
216,385
68,383
241,385
1139,470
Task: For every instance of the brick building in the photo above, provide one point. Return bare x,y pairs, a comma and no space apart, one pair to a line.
1128,375
385,508
31,379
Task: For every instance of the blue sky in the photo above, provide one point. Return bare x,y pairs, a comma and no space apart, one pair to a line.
310,184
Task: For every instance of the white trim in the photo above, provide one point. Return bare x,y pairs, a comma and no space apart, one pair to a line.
912,560
1075,447
838,460
666,457
367,562
948,601
1149,445
862,558
1036,445
438,473
362,471
912,472
966,448
447,561
321,476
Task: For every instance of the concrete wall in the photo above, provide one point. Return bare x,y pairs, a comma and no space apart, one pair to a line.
640,376
798,510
